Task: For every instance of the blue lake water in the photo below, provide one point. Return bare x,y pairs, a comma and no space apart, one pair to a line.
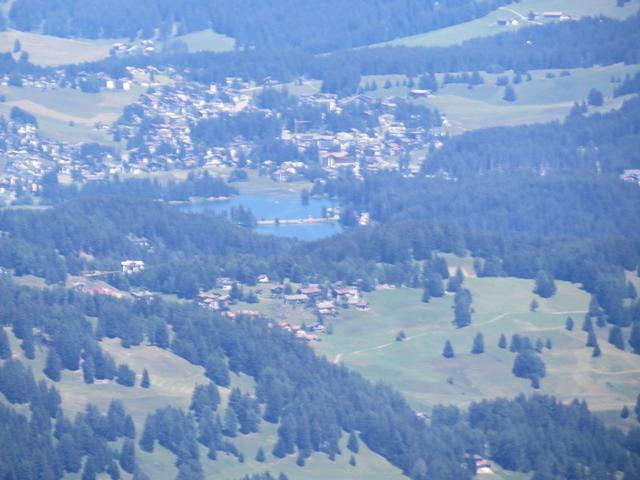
265,207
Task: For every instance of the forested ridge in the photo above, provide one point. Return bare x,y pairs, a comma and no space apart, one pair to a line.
582,144
573,44
313,401
314,26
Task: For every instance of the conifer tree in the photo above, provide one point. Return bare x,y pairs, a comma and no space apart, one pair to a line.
352,461
260,456
148,439
587,325
634,338
548,345
596,351
545,286
145,382
89,471
352,443
447,352
230,423
426,295
502,343
5,346
462,308
539,345
591,339
509,94
616,338
478,344
88,370
53,365
435,285
624,413
568,324
533,306
128,456
129,427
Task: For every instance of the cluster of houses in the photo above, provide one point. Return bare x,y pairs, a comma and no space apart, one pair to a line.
27,158
167,113
355,150
157,128
298,331
97,289
325,302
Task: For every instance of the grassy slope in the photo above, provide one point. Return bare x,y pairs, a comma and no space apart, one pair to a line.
49,51
55,109
207,40
365,341
487,25
540,100
173,380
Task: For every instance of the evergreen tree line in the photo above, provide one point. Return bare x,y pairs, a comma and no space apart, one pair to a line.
47,444
194,185
312,400
314,27
582,143
582,43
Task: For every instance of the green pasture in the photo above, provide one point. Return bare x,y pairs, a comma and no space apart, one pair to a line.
69,115
50,51
540,100
487,25
207,40
366,342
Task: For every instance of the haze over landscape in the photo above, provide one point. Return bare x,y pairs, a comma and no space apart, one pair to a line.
363,239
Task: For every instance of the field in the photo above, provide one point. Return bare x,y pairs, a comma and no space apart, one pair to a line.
486,26
207,40
365,341
46,50
540,100
66,114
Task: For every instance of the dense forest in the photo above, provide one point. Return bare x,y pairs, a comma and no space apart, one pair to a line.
574,44
203,186
313,401
586,143
313,26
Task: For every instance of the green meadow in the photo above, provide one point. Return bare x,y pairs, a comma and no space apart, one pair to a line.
67,114
207,40
366,342
548,96
487,25
48,51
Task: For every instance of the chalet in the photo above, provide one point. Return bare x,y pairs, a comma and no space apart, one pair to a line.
222,282
327,307
362,306
483,466
552,14
420,93
263,279
312,290
302,335
277,292
129,267
349,294
296,299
